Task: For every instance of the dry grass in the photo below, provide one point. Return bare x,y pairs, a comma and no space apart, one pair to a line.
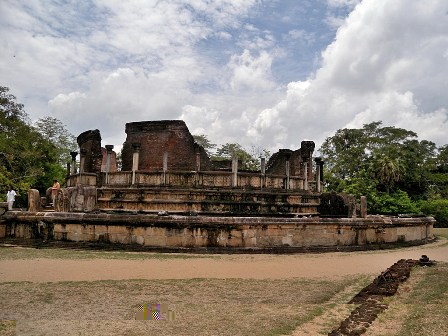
201,306
428,304
420,306
8,328
441,232
211,306
13,252
334,311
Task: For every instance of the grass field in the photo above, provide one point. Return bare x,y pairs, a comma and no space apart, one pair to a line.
268,307
201,306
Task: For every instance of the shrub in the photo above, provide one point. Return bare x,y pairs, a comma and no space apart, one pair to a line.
395,203
438,209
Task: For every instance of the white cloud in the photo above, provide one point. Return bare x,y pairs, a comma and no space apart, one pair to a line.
105,63
251,73
201,120
343,3
138,62
335,18
301,34
383,65
124,95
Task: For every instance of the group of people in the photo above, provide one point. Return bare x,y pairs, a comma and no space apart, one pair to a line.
11,194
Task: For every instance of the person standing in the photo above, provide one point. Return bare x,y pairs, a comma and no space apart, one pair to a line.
10,197
54,190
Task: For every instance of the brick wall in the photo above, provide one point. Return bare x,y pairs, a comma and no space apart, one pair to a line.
276,165
90,143
113,161
157,137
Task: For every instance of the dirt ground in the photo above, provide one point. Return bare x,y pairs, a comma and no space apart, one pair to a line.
94,293
324,265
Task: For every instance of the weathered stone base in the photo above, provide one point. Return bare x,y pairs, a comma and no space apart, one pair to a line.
217,232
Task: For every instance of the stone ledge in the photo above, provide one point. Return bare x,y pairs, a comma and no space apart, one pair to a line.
134,217
218,232
38,243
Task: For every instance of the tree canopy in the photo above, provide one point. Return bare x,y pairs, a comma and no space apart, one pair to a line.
250,159
54,131
31,156
203,141
389,165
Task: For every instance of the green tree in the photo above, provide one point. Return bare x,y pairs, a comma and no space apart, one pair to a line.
438,208
388,170
387,164
230,150
442,159
393,203
418,158
27,158
250,159
203,141
351,150
16,140
56,133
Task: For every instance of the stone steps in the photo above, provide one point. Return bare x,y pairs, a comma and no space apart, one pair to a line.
229,202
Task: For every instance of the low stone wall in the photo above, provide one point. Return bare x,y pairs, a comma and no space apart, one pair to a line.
191,179
221,232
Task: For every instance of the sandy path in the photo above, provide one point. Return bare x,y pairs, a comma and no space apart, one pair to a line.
329,265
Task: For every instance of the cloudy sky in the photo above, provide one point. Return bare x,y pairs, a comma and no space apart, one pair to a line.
263,73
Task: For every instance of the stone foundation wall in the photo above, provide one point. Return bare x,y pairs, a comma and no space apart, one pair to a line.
223,232
202,201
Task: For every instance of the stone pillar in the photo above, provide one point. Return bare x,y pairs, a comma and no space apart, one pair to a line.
263,172
351,203
234,171
287,171
34,204
165,166
310,169
322,162
73,165
306,153
135,158
198,161
108,159
318,161
305,175
363,207
82,160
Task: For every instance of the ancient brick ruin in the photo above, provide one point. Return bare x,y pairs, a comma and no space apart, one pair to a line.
164,169
169,194
152,139
90,148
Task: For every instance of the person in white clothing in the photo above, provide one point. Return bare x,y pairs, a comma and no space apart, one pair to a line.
10,197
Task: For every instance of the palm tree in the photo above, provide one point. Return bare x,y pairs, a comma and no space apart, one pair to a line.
388,170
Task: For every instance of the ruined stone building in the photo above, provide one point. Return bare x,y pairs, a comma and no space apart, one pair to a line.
164,169
169,194
171,139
